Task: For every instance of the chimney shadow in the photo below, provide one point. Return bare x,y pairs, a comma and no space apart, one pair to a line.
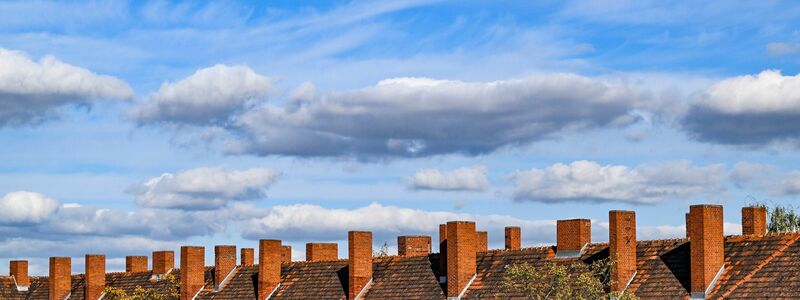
435,264
678,261
344,278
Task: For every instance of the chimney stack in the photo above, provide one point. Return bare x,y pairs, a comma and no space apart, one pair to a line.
19,270
413,245
322,251
622,247
224,263
482,241
269,267
286,253
688,227
95,277
706,246
248,255
135,264
572,236
163,262
513,238
442,250
60,280
461,258
192,271
359,254
754,220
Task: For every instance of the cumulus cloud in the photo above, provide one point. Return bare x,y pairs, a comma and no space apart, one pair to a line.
26,207
204,188
210,96
644,184
461,179
34,91
750,110
414,117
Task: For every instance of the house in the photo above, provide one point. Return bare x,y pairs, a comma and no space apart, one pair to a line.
705,264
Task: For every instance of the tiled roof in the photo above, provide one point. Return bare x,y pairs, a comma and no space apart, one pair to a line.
755,267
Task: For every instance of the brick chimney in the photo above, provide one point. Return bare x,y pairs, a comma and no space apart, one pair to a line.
706,246
163,262
482,241
572,236
687,226
19,270
461,258
286,253
442,250
60,280
622,247
248,255
135,264
413,245
95,279
513,241
269,267
224,263
359,255
322,251
192,271
754,220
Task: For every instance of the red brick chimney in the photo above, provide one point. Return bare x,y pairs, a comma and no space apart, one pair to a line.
286,253
687,226
60,280
192,271
513,241
482,241
269,267
413,245
754,220
224,263
359,255
19,270
322,251
442,251
95,280
706,246
572,236
461,258
622,247
163,262
135,264
248,255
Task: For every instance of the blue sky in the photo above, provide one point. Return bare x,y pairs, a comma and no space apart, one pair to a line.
135,126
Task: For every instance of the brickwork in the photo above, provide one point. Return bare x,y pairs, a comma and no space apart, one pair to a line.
622,247
513,241
95,276
359,253
572,235
286,253
706,246
269,266
60,278
224,262
135,264
19,269
482,241
322,251
443,249
754,220
163,261
192,270
688,228
248,257
461,258
413,245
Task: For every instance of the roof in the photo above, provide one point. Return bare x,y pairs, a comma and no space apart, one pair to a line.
756,267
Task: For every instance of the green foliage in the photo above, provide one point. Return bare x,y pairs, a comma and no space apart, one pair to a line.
783,219
383,251
142,293
560,281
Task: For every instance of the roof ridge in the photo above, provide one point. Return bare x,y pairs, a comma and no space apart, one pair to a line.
761,265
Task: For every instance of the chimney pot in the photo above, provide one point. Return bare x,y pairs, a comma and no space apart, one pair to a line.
622,247
706,247
135,264
360,261
192,271
286,254
571,236
754,220
19,269
322,251
269,266
224,263
413,245
60,280
163,262
248,255
513,238
461,256
95,276
482,241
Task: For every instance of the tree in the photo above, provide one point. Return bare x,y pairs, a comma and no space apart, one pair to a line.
383,251
783,219
143,293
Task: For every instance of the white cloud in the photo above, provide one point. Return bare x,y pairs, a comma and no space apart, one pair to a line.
767,92
204,188
34,91
644,184
461,179
26,207
209,96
